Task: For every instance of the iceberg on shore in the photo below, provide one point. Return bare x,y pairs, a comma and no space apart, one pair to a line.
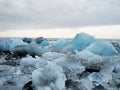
49,78
102,48
10,44
80,42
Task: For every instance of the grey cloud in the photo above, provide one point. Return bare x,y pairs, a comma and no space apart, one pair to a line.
29,14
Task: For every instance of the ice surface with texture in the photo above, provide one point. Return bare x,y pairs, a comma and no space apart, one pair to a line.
89,59
29,64
5,44
16,42
70,64
102,48
52,55
80,42
31,50
51,77
60,43
44,43
10,44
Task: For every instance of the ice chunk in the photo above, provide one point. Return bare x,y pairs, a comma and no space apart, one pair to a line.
16,42
80,42
102,48
60,43
20,80
103,77
117,69
30,49
51,77
86,84
89,60
70,64
44,43
39,40
83,84
29,64
10,44
52,55
7,70
27,40
5,44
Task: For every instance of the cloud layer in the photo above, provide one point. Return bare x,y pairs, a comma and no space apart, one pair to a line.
36,14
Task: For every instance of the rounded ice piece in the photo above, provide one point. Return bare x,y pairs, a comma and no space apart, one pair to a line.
60,43
80,42
102,48
51,77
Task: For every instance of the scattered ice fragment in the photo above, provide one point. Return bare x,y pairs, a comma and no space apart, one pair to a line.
10,44
71,65
86,84
31,50
80,42
117,69
102,48
6,70
44,43
16,42
5,44
39,40
27,40
29,64
60,42
103,77
21,80
49,78
89,60
52,55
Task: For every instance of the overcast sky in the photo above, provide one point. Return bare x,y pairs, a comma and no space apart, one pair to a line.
51,14
35,14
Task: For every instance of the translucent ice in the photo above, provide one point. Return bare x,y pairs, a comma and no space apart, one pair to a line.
51,77
70,64
31,50
5,44
10,44
29,64
102,48
103,77
16,42
89,60
52,55
44,43
6,70
80,42
27,40
60,43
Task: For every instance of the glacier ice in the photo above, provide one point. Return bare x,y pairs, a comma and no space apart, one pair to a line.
6,70
52,55
44,43
31,50
70,64
103,77
10,44
92,65
27,40
51,77
80,42
102,48
5,44
117,69
89,60
16,42
60,43
29,64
